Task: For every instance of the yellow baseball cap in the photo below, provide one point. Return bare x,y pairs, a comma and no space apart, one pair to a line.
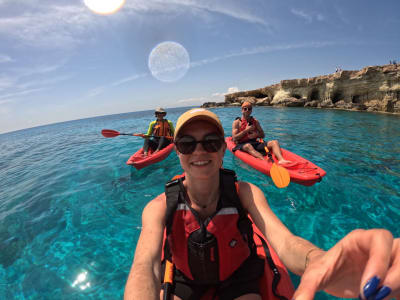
198,114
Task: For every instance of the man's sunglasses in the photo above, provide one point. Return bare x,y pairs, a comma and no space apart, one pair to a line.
246,108
187,144
159,114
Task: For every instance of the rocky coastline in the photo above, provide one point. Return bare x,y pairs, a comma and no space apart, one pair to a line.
372,89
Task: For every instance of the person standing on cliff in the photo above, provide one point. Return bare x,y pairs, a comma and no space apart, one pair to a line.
245,132
162,131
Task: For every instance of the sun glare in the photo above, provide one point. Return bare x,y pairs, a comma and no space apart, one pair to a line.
81,281
104,7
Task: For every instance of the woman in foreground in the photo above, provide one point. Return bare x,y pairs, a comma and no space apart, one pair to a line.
205,216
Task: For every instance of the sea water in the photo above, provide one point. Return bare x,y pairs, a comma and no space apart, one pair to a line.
70,208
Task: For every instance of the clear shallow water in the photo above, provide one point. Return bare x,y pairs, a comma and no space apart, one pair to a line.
70,209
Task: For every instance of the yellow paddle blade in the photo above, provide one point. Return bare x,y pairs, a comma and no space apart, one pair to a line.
280,176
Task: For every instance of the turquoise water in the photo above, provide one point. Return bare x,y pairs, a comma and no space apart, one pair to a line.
70,209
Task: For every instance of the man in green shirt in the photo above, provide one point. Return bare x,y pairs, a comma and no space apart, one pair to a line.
162,131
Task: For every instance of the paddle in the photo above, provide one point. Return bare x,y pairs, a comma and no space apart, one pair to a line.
280,176
109,133
168,279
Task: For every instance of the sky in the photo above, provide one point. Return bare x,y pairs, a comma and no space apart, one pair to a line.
60,60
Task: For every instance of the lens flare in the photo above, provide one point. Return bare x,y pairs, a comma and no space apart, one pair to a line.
169,61
104,7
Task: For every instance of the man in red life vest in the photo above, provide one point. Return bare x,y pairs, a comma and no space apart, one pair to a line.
162,129
245,132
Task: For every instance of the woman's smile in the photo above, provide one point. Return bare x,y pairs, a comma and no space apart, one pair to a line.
201,163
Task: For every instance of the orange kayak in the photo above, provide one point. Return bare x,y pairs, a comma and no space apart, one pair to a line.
301,171
139,161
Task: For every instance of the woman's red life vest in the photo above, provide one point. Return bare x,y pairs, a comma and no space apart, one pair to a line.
210,251
243,126
162,128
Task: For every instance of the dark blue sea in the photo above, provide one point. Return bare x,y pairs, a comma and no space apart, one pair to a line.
70,208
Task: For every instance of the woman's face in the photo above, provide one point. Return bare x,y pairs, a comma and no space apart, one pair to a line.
200,163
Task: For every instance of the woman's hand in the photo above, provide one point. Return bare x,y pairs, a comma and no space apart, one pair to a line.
364,262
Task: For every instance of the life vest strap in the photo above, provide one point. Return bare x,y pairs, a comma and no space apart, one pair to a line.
172,192
277,275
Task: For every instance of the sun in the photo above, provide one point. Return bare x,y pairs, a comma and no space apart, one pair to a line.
169,61
104,7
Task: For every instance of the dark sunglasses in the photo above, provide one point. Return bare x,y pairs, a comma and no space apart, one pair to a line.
187,144
158,113
247,108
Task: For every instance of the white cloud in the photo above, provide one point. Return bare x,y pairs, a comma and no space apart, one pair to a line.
11,96
6,82
94,92
64,26
35,70
4,110
246,51
43,82
198,100
48,26
128,79
4,101
101,89
302,14
236,10
261,49
216,97
5,58
233,89
239,12
308,16
341,15
17,82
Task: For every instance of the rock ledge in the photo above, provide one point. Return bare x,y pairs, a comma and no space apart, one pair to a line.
374,88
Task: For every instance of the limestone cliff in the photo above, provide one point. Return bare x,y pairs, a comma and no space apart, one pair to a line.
374,88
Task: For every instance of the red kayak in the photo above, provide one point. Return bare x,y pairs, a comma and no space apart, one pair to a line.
139,161
301,171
